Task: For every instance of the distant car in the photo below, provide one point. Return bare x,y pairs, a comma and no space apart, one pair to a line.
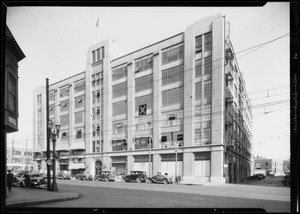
254,177
63,175
160,177
135,176
32,180
105,176
262,175
84,176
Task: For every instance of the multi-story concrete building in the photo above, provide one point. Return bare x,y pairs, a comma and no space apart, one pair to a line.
19,159
271,167
179,91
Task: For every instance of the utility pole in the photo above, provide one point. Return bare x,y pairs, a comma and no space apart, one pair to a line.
48,136
26,157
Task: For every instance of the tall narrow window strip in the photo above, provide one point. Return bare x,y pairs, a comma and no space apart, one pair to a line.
207,65
198,68
198,90
207,41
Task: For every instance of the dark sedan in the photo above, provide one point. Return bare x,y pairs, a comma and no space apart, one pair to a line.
32,180
160,177
255,177
135,176
84,176
63,175
105,176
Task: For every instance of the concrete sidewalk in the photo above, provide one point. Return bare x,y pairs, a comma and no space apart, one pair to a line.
26,196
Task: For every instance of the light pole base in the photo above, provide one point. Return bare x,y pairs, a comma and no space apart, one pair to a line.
54,187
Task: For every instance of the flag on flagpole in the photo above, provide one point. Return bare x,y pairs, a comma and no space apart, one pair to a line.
97,21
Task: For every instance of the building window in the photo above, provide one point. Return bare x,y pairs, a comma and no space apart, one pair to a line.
119,145
39,99
98,54
207,41
79,117
198,67
119,73
143,64
79,86
51,109
234,126
172,53
79,134
173,96
51,95
79,101
198,44
64,120
64,92
172,75
198,90
119,90
119,108
143,83
207,133
207,65
142,143
119,127
197,134
207,92
64,135
64,105
144,100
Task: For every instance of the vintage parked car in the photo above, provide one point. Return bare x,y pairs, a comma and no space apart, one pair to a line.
32,180
160,177
63,175
254,177
84,176
105,176
135,176
262,175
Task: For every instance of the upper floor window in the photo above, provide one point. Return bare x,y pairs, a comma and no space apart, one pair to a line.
119,90
51,95
79,86
172,53
119,127
118,145
119,108
198,44
198,90
98,54
172,75
64,120
64,92
79,101
79,117
119,73
64,105
51,109
198,67
207,41
207,65
144,63
39,99
143,83
144,100
172,96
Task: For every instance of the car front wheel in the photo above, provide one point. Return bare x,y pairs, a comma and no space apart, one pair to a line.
106,179
165,181
138,180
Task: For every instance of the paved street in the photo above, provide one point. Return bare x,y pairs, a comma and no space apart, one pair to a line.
128,195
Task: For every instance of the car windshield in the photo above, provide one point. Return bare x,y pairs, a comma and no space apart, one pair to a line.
133,173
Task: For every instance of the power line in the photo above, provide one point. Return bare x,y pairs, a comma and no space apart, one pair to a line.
263,44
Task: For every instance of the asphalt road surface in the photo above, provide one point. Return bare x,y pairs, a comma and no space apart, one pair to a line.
132,195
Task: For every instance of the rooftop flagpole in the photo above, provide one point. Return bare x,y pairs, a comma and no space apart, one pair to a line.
98,29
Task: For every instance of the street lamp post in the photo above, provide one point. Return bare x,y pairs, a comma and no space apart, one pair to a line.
176,149
149,147
54,133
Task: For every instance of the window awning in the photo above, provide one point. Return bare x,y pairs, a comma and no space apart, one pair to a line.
77,166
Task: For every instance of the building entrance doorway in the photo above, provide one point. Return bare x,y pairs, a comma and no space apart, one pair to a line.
98,167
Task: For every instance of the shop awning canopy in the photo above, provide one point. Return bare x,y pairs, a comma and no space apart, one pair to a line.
77,166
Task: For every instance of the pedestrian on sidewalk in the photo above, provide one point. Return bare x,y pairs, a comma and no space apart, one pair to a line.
10,178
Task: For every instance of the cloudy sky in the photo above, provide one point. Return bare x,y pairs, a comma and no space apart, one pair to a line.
55,41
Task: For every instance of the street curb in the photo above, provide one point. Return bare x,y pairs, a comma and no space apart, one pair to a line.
25,203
